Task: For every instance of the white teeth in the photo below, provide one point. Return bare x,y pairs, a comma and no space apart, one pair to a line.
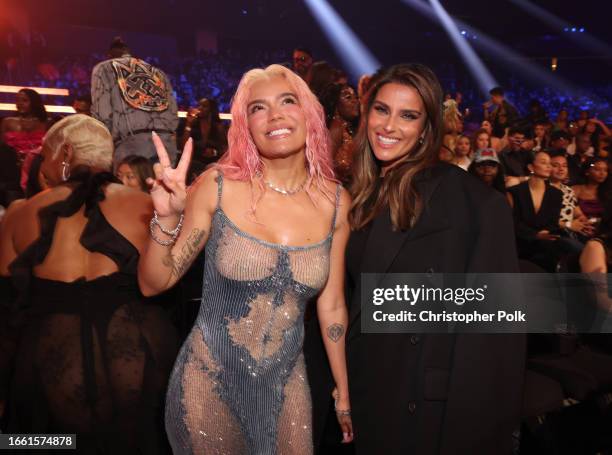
387,140
279,132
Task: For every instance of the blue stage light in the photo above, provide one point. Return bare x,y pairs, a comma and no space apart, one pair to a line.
355,56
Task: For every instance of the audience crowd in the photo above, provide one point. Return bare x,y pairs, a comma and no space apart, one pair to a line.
548,152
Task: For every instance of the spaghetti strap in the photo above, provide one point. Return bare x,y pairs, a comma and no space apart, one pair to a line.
338,190
219,188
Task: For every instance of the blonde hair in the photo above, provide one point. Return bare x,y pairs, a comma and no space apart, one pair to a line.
91,142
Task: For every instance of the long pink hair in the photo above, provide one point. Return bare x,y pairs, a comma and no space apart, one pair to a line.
242,160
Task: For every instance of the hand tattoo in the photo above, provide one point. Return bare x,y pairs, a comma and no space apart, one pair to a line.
335,332
179,263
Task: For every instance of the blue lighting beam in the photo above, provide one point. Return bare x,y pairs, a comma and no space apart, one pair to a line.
477,68
586,40
355,56
497,50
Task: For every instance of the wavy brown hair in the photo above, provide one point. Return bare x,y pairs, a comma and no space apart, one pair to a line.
397,189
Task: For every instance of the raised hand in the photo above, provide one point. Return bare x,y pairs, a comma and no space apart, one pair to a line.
168,189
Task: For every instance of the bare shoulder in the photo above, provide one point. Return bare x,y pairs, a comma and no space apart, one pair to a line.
9,123
128,201
577,190
203,192
344,200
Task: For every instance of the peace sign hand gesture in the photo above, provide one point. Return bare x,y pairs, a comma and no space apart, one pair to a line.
168,189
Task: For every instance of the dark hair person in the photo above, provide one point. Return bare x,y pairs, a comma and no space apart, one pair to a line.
25,131
341,107
410,214
487,168
90,356
593,194
134,170
537,206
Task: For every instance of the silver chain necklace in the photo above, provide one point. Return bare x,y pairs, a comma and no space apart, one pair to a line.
284,191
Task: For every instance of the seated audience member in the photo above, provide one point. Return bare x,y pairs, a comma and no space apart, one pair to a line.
562,121
497,143
540,136
463,152
536,208
571,216
514,158
134,170
597,130
487,168
481,139
578,153
82,105
592,194
596,260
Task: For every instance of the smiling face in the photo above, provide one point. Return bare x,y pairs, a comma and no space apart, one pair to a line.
395,122
348,103
275,118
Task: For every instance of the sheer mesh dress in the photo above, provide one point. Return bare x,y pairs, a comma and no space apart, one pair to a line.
239,385
93,357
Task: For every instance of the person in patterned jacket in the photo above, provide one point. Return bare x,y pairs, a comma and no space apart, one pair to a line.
133,98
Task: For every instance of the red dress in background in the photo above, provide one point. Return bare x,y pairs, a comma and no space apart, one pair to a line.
28,145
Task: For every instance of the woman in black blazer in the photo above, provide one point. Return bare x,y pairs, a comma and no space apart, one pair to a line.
421,394
536,209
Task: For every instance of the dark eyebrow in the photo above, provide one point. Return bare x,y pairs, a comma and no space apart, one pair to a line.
282,95
404,111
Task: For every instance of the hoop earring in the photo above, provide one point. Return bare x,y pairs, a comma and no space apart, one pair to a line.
65,171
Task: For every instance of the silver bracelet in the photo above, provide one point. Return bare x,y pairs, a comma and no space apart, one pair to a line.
341,412
162,242
174,232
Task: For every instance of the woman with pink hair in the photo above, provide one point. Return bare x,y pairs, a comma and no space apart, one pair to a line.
273,223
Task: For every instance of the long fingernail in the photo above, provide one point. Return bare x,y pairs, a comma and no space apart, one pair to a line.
153,133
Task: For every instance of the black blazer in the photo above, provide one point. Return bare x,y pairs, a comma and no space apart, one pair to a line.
429,394
527,222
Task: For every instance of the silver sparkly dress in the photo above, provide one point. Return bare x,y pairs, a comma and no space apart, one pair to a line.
239,385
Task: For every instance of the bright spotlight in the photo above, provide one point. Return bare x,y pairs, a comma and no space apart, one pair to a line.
353,53
586,40
499,50
479,71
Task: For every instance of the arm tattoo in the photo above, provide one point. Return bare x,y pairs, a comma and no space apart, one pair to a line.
179,263
335,332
